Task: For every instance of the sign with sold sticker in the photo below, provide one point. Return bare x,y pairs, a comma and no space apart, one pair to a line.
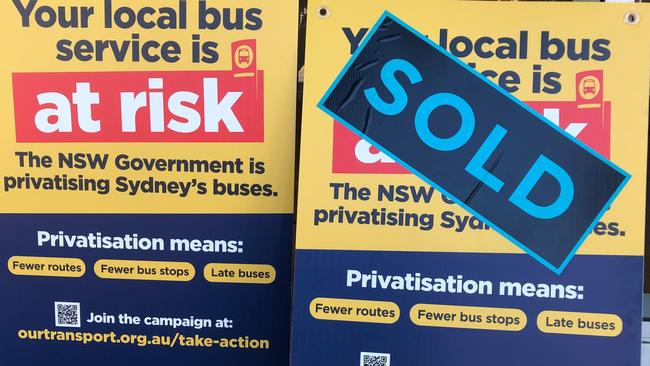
140,146
493,169
431,144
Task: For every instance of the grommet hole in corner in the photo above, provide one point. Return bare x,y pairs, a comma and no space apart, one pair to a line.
323,11
632,17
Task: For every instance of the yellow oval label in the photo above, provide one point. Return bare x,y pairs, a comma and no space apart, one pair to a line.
46,266
261,274
144,270
589,324
468,317
361,311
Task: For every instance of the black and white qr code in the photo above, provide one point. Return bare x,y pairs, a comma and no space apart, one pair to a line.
67,314
375,359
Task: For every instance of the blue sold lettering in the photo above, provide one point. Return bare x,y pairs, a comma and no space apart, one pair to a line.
399,94
475,167
520,196
467,121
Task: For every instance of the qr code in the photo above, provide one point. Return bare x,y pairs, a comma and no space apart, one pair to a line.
67,314
375,359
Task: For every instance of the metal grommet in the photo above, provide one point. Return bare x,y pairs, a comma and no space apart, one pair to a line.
323,11
632,17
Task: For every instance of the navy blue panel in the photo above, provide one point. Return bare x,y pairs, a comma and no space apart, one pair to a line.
258,311
612,284
552,241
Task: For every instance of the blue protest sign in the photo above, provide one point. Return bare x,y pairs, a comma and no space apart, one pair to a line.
496,157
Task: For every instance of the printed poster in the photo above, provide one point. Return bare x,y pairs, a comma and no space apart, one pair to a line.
390,271
147,161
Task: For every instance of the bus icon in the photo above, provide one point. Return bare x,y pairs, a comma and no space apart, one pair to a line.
589,87
244,56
